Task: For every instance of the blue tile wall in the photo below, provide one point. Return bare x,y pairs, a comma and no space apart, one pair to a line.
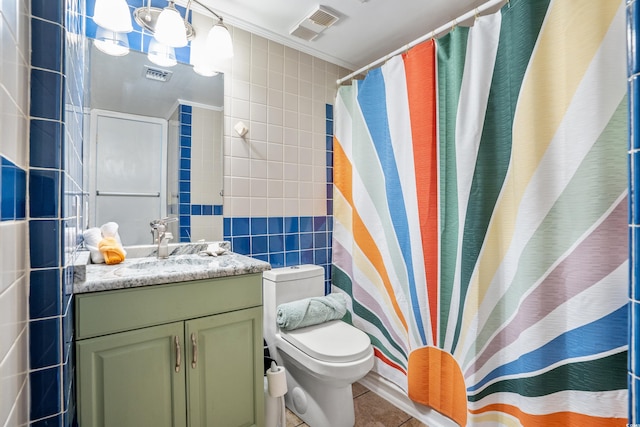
13,182
55,194
185,208
633,62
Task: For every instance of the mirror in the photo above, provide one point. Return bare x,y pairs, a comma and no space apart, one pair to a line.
153,146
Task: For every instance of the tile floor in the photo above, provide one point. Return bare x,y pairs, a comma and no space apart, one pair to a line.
371,411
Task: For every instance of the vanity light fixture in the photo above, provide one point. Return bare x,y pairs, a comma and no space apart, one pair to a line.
169,29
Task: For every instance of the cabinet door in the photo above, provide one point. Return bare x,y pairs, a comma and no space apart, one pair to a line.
225,378
129,379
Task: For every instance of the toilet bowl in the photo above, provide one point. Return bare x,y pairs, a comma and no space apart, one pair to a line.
321,361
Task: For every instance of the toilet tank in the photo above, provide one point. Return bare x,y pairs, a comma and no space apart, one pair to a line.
293,283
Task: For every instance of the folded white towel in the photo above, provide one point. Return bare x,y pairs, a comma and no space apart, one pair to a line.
92,237
110,229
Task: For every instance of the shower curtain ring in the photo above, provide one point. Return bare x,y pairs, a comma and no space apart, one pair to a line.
475,15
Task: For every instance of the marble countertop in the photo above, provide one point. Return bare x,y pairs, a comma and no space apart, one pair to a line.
143,268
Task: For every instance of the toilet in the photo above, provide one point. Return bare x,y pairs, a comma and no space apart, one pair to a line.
321,361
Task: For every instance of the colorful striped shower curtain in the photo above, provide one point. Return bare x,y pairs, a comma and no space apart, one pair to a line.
480,216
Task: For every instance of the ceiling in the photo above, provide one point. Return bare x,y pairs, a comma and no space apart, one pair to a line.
366,30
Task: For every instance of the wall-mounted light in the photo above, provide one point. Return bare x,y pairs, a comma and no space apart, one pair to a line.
169,29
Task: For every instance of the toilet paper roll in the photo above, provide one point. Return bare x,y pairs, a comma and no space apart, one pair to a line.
277,382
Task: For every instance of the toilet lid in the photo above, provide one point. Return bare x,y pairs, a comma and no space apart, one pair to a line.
334,341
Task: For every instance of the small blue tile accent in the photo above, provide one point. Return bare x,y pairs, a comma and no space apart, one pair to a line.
240,226
276,225
45,144
47,45
44,193
185,163
185,220
21,194
329,111
306,240
320,256
329,191
44,343
292,242
306,224
292,258
186,108
185,198
185,130
7,190
196,209
184,186
185,234
259,244
320,240
329,127
184,209
319,223
329,142
226,228
306,257
185,175
45,293
185,153
207,209
258,225
241,245
291,224
329,159
44,247
45,392
276,243
46,94
276,260
185,118
185,141
218,209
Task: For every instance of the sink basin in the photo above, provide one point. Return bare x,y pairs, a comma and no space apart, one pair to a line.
170,263
173,264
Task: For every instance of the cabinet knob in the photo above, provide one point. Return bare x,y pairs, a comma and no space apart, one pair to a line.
178,352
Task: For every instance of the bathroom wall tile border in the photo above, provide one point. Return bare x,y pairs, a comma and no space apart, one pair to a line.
55,192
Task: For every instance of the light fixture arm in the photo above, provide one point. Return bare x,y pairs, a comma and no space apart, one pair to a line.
204,7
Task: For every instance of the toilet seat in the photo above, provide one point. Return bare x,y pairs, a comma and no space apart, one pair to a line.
334,341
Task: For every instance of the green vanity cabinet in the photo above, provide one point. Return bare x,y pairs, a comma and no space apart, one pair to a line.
183,354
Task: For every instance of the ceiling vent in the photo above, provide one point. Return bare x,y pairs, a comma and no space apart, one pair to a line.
157,74
315,23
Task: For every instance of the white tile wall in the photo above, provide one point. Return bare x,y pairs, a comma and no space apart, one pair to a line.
14,48
281,95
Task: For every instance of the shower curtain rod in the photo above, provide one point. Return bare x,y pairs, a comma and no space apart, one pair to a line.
444,28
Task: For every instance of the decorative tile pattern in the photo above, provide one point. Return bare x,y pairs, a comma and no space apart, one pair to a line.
55,198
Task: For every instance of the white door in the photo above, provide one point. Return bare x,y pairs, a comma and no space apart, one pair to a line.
129,185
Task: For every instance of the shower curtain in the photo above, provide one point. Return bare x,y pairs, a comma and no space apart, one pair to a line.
480,216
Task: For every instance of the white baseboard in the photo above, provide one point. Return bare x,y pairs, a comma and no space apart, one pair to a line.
396,396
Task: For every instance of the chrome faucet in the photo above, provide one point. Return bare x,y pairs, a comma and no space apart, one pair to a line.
161,236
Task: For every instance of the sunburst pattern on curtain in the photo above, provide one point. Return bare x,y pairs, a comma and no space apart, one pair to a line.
480,210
